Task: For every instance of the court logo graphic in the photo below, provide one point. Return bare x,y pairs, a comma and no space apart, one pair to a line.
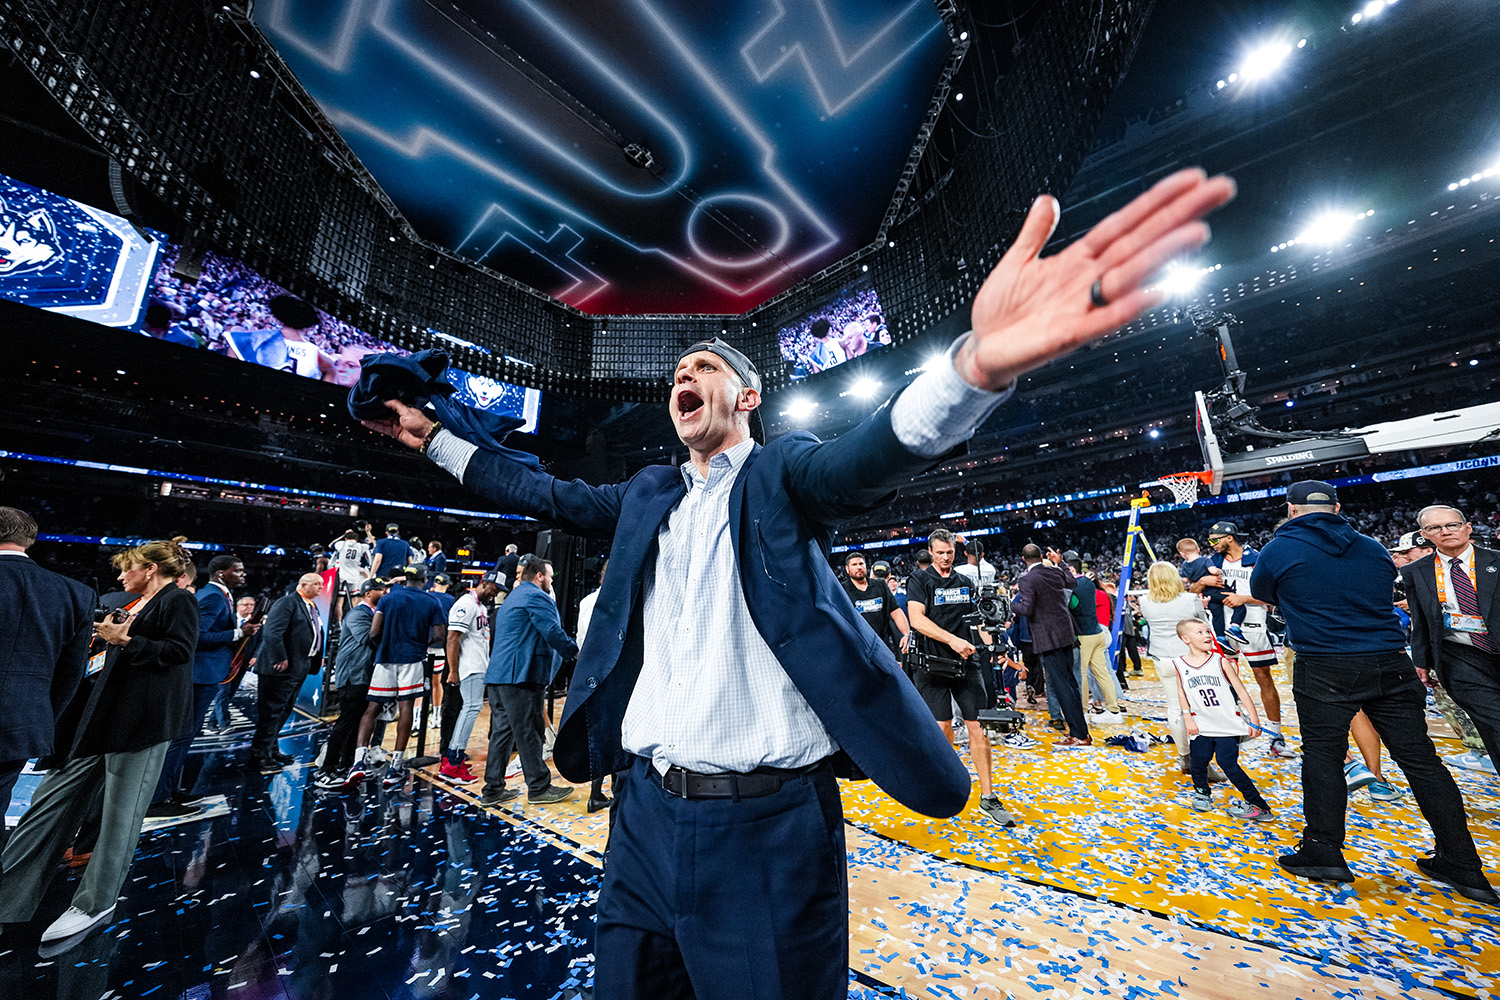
28,242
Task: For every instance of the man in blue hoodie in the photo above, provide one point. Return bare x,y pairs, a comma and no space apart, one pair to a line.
1334,587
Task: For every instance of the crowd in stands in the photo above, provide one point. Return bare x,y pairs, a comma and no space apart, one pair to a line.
227,296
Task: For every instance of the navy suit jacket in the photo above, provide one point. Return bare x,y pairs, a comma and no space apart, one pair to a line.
215,636
46,622
527,629
782,510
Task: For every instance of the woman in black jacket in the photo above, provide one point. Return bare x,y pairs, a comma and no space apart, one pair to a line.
140,699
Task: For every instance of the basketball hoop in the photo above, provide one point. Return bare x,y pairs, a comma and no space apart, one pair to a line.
1184,485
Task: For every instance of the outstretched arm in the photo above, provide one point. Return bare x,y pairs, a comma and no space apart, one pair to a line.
1033,309
578,507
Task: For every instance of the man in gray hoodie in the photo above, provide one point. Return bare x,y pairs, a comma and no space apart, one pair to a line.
1334,587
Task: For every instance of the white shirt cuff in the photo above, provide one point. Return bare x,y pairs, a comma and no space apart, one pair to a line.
239,634
939,409
452,453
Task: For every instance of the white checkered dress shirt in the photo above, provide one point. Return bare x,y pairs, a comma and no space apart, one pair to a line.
711,696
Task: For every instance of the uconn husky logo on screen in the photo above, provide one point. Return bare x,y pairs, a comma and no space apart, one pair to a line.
28,240
64,256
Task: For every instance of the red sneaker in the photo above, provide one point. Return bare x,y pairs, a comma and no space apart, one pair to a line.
465,775
451,770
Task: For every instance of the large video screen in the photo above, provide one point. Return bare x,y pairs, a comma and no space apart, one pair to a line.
68,257
231,309
847,325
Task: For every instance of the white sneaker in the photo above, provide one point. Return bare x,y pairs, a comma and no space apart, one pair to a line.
513,770
1471,760
1104,717
75,921
1018,740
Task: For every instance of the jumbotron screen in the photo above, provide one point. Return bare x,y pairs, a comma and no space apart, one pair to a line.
64,256
845,326
68,257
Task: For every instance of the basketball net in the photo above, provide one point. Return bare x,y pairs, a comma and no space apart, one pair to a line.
1184,487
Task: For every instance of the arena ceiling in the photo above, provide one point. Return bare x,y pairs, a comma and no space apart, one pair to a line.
658,156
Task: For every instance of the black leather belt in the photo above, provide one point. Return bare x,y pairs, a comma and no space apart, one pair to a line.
692,785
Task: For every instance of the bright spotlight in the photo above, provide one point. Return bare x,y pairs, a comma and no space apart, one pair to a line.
1179,280
1373,8
933,362
864,388
800,408
1153,432
1266,59
1330,227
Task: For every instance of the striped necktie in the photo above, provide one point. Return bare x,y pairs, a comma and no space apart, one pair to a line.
1468,603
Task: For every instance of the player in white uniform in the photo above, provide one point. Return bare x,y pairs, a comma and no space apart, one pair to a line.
1217,711
351,555
1249,637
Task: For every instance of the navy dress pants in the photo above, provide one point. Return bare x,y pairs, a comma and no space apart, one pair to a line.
719,899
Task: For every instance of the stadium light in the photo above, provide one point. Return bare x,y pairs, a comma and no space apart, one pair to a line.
1153,432
800,408
864,387
1330,227
1263,60
1180,279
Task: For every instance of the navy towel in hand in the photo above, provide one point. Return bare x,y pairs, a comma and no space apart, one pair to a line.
417,380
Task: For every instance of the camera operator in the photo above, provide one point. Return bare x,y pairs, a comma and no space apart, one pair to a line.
939,600
875,603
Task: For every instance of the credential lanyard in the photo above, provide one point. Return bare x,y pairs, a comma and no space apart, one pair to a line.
1442,581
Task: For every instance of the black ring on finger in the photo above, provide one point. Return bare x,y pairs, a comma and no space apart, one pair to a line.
1096,293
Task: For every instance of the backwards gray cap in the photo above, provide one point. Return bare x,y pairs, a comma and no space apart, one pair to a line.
742,367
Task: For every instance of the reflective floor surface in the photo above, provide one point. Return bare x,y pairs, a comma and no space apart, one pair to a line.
296,895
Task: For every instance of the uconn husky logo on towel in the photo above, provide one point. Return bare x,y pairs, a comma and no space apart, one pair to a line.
58,254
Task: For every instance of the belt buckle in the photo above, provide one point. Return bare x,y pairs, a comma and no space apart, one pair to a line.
680,782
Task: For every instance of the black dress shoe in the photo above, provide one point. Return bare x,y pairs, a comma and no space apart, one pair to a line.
602,802
283,758
265,766
1470,882
1317,861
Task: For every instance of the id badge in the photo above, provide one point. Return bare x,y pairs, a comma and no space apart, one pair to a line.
1470,624
96,664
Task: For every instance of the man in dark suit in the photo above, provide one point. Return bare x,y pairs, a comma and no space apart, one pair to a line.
217,633
727,674
527,629
1455,622
291,648
1042,597
46,622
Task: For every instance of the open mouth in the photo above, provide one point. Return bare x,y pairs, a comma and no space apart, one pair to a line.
688,401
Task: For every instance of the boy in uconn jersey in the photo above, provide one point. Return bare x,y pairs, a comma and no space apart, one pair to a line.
1214,706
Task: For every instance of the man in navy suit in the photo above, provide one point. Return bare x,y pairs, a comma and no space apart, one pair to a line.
527,629
217,634
46,622
728,674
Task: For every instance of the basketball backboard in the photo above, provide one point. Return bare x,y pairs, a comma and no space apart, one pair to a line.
1208,442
